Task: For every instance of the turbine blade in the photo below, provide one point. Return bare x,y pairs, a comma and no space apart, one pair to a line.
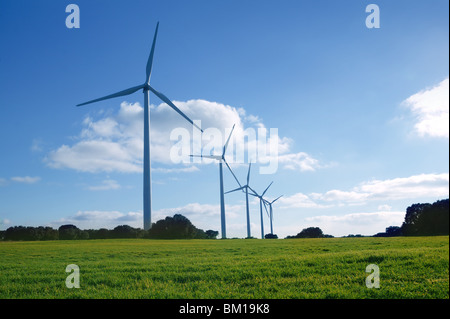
226,144
121,93
276,199
248,174
235,190
266,189
166,100
150,58
254,193
265,207
232,172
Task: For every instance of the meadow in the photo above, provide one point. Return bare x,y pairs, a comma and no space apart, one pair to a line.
410,267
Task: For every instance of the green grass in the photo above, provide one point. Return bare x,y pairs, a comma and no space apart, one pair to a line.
410,267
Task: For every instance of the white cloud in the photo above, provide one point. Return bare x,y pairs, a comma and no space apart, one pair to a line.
356,223
26,179
107,184
299,162
95,156
3,181
298,200
101,219
37,145
384,207
4,222
196,211
203,216
416,186
339,196
114,141
431,108
412,187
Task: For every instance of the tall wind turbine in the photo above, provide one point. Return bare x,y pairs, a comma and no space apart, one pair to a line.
221,159
261,201
146,88
246,188
271,211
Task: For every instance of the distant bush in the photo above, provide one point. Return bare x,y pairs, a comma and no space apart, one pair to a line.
211,234
178,227
101,233
30,233
125,231
391,231
310,232
71,232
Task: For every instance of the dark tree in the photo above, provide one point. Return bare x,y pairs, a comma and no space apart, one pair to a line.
125,231
391,231
310,232
47,233
176,227
18,233
411,224
427,219
71,232
31,233
211,234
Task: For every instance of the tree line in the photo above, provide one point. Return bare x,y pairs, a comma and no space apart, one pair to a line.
176,227
420,220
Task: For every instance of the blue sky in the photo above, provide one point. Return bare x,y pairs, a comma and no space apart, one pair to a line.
361,114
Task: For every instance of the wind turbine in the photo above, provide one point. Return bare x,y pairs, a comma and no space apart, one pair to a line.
271,211
146,88
246,188
221,159
261,201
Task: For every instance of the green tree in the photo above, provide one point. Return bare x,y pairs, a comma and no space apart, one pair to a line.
427,219
310,232
176,227
71,232
211,234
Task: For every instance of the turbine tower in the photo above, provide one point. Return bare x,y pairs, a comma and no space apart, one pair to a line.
271,211
246,188
221,159
147,167
261,201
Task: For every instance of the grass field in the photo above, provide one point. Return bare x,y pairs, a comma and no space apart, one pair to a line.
410,267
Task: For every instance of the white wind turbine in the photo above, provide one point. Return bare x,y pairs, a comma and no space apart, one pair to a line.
271,211
146,88
246,188
221,159
261,202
